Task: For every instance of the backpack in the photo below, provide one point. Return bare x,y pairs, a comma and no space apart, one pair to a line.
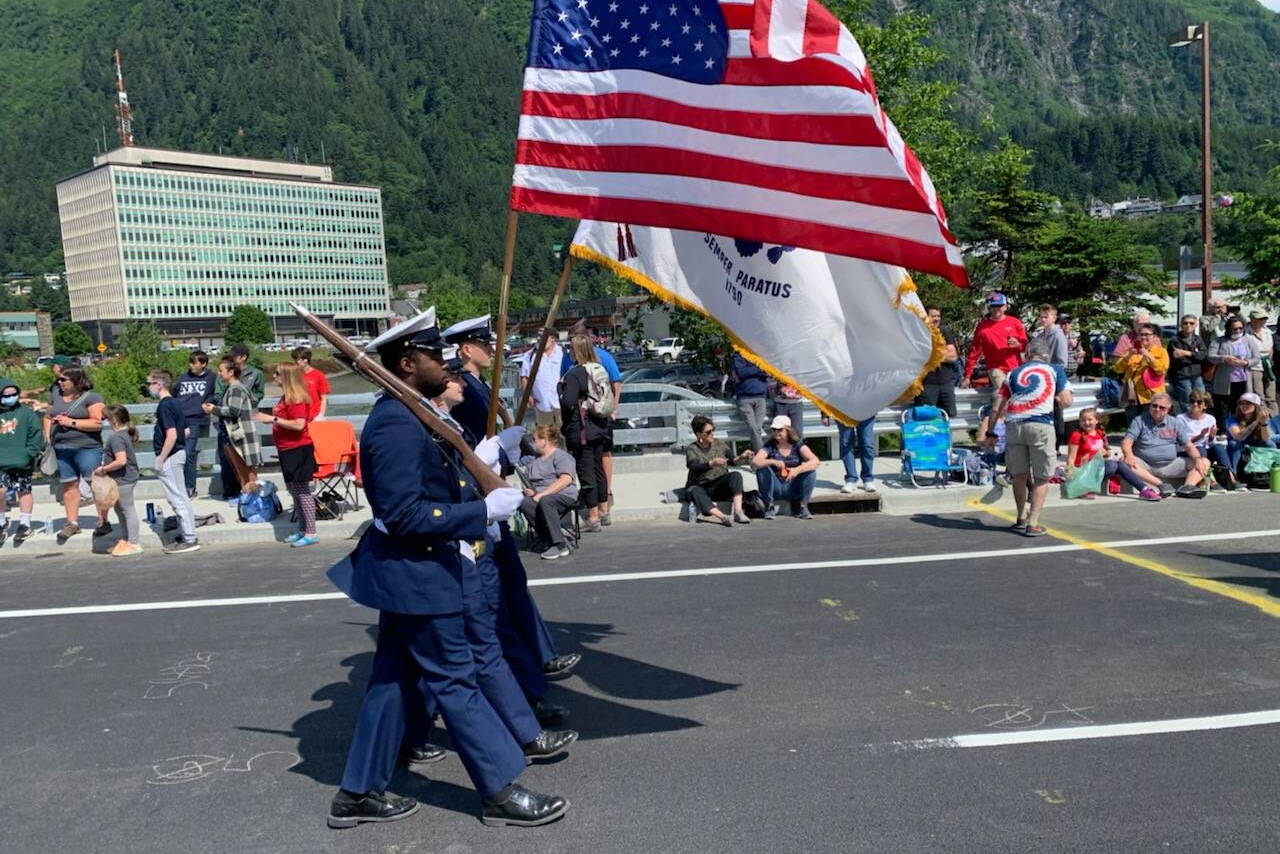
599,390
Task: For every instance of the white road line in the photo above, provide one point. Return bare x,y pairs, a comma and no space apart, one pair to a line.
1000,739
604,578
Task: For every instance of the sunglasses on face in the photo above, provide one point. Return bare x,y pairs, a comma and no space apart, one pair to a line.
707,432
1159,406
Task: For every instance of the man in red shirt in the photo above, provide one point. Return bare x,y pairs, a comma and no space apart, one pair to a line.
999,339
317,382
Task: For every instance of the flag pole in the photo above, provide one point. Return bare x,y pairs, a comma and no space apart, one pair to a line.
561,287
508,261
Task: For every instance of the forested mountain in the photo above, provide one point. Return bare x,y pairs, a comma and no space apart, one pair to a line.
421,98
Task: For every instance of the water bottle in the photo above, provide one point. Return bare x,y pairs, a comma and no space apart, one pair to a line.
151,513
1275,478
48,525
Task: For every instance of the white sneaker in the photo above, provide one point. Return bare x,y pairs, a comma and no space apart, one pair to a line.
849,488
868,486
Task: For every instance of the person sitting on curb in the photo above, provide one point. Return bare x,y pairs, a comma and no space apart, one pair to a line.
1199,423
1090,441
1158,449
992,444
785,466
1247,427
708,459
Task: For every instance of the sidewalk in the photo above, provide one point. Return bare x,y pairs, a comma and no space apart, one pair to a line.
639,486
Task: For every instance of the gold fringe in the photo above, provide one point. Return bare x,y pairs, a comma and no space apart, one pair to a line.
620,269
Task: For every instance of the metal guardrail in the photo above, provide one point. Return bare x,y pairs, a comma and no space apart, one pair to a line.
662,423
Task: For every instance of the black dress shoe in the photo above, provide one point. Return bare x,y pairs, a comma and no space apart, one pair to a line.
518,806
550,742
549,714
423,755
560,666
348,810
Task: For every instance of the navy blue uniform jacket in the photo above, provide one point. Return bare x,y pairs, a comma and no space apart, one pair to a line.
414,568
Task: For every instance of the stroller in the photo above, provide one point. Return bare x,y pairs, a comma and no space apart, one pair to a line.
926,446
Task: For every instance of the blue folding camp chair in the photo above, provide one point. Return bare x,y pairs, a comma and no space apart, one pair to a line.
926,446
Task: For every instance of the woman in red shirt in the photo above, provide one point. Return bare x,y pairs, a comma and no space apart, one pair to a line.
288,420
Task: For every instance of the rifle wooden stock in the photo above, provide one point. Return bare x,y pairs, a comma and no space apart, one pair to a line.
373,370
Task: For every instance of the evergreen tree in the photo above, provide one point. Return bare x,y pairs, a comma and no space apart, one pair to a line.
248,324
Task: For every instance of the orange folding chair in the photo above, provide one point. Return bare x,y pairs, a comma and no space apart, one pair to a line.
337,476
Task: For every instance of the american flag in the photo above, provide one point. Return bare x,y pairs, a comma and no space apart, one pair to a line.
756,119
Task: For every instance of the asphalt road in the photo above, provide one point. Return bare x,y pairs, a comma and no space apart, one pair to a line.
742,711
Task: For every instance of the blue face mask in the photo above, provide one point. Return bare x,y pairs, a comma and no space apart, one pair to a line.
9,400
153,392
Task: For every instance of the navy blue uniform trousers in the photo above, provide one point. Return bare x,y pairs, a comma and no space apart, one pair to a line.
526,620
431,654
493,674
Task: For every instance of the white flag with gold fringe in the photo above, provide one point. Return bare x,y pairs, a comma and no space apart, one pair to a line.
850,335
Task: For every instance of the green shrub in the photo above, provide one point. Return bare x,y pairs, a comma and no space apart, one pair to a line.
119,380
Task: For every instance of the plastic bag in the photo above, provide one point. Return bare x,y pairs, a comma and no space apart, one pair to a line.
1262,460
105,492
1086,478
260,506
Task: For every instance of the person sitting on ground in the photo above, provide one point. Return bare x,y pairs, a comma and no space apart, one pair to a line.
1157,448
120,462
1198,423
1142,370
550,489
21,443
1090,441
1248,427
785,467
708,459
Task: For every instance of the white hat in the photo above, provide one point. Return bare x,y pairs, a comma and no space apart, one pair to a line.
474,329
779,421
421,331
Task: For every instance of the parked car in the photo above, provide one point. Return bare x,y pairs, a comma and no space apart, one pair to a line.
667,350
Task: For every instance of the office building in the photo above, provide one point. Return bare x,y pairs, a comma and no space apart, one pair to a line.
181,239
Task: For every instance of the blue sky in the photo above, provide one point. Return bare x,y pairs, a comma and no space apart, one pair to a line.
1271,4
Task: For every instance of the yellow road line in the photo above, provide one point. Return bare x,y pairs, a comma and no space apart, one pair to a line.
1264,603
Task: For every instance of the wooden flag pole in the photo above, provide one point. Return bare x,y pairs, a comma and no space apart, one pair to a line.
561,287
508,261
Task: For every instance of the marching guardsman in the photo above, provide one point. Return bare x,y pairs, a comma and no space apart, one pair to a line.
411,565
475,341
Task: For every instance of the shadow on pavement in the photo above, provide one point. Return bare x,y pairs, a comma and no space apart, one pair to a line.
324,734
955,523
1266,561
1270,586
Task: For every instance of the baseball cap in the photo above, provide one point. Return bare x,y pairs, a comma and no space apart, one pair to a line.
1258,314
1250,397
779,421
997,299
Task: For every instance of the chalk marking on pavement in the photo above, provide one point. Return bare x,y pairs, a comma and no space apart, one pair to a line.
1078,733
1263,602
899,560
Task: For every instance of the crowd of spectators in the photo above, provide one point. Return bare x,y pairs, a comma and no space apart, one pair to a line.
69,433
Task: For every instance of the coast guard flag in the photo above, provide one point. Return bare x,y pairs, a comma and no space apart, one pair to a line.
758,119
851,335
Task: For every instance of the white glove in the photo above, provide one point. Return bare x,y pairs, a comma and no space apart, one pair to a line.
487,451
510,441
502,503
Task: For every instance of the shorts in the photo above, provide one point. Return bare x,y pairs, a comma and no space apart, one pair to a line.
77,463
16,481
551,417
1175,469
1029,448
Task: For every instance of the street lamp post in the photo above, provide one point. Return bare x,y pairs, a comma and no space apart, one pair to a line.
1190,35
